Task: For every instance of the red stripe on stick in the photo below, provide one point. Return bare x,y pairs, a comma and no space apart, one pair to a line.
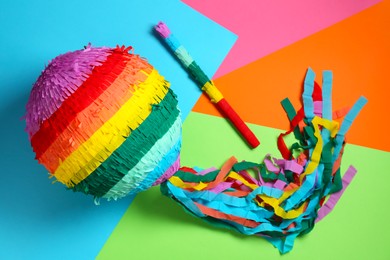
242,128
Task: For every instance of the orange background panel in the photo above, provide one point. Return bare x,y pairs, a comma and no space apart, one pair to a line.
356,50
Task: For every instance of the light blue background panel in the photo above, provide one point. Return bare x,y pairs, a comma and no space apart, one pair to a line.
43,221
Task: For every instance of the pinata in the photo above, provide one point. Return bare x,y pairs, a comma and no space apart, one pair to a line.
104,122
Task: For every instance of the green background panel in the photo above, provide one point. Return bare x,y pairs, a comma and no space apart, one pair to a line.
154,227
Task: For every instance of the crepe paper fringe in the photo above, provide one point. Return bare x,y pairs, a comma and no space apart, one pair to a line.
149,168
104,122
206,84
113,133
124,162
61,77
108,88
278,199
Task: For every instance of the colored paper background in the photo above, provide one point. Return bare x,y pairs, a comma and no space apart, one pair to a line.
355,49
43,221
264,27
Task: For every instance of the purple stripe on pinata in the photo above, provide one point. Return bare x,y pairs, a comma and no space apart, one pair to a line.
59,80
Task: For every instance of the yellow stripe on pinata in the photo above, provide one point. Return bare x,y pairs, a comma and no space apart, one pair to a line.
113,133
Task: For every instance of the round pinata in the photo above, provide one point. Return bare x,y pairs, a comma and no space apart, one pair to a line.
104,122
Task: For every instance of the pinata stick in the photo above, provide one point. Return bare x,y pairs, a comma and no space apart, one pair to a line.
206,84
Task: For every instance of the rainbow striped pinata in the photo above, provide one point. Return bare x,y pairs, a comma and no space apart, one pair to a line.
104,122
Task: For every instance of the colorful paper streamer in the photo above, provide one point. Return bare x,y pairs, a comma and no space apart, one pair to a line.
278,199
